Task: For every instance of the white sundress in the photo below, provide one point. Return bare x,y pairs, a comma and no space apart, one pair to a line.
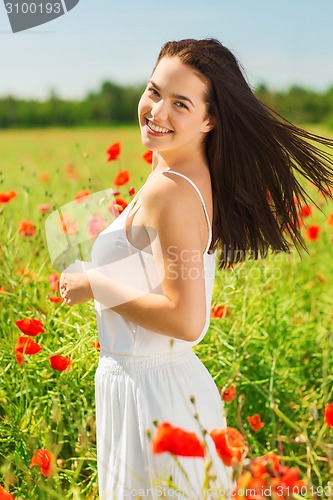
142,377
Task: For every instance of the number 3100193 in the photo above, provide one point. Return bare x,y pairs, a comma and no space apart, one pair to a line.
33,8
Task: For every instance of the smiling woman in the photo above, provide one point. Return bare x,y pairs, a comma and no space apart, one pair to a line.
166,110
222,179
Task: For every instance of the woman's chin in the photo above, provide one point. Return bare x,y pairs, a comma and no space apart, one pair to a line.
146,141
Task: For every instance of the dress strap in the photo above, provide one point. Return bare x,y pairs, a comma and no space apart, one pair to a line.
203,204
136,196
167,171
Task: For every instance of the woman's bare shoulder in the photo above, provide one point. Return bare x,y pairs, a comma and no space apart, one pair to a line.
171,191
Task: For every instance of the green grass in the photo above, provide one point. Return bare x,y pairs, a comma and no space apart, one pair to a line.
275,346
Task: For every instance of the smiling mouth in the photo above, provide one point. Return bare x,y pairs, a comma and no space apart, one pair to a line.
156,128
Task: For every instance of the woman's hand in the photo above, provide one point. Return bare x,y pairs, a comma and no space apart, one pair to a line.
75,288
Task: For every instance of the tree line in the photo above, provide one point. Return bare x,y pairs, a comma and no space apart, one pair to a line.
116,104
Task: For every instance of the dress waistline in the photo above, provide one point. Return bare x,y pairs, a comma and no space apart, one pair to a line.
118,362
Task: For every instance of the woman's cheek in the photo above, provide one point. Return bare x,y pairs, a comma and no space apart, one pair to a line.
141,106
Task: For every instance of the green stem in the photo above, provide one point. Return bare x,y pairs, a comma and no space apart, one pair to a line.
283,417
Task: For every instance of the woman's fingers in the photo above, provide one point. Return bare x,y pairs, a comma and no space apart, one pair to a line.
62,281
63,289
67,299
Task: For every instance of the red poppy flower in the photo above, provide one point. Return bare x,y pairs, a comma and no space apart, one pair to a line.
113,151
329,415
4,495
267,464
54,298
44,177
229,394
97,345
250,487
131,191
290,479
312,232
329,221
148,156
30,327
96,224
267,473
26,228
19,357
241,486
60,363
27,273
229,444
121,178
282,479
220,311
257,485
81,194
305,211
44,208
117,206
67,225
25,345
45,460
6,197
176,441
54,281
255,422
71,172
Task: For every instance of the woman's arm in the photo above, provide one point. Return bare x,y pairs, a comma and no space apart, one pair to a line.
173,210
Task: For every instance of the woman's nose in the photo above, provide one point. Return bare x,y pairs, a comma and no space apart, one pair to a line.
159,110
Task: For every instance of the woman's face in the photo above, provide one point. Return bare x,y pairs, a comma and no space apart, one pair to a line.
172,110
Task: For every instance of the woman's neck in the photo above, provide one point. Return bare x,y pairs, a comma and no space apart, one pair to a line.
164,161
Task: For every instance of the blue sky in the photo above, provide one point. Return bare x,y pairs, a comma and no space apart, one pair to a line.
279,42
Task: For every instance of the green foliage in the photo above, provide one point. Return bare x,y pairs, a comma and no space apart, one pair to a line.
112,104
300,105
116,104
275,346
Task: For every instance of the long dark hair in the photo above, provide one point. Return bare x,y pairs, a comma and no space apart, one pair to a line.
254,155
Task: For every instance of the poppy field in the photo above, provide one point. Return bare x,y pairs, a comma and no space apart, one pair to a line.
269,347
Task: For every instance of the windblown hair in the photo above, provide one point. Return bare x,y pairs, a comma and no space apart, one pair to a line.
254,155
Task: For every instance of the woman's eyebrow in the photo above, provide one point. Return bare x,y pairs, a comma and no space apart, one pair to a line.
176,96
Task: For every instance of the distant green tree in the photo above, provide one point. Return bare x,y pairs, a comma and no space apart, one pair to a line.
113,104
298,104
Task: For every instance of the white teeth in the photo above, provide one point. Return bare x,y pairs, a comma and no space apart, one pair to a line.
158,129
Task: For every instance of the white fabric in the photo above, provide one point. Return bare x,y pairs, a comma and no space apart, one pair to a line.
143,376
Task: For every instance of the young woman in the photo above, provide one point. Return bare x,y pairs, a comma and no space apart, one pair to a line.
224,184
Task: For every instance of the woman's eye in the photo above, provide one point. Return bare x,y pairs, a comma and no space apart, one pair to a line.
153,91
181,105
